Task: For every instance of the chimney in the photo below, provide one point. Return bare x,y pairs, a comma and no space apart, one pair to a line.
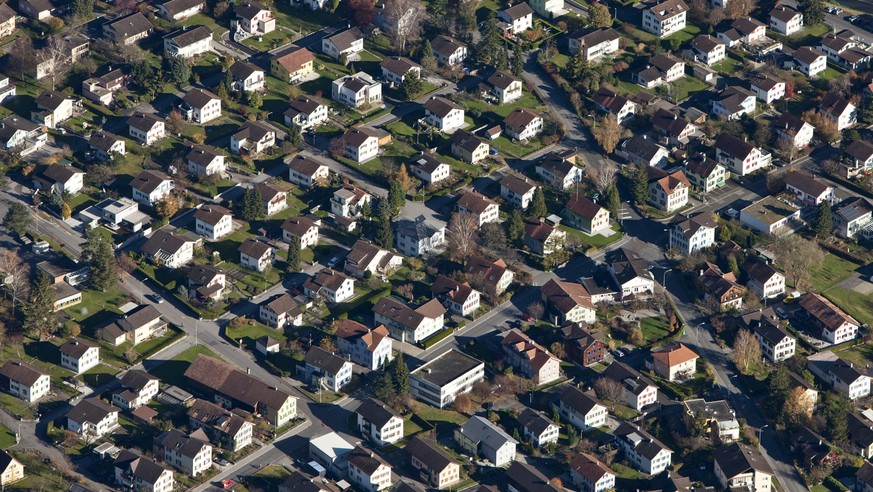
248,370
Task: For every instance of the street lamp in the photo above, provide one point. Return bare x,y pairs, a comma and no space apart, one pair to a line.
664,277
761,432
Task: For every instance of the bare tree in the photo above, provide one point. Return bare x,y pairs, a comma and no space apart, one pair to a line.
602,176
747,351
405,18
825,128
739,8
462,233
797,256
609,390
16,275
536,310
786,148
52,59
608,133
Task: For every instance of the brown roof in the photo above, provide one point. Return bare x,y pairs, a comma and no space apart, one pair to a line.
466,140
669,122
431,309
294,59
474,202
102,140
673,354
298,226
517,184
75,347
519,119
211,214
304,104
203,154
149,181
583,207
328,278
90,410
705,43
668,182
733,146
566,295
490,271
502,79
825,312
223,378
668,9
806,183
538,230
597,37
242,70
518,11
255,249
589,467
187,37
344,39
400,313
198,98
144,121
357,136
305,165
268,191
430,453
783,13
807,54
131,25
364,460
282,304
446,45
399,65
51,100
457,291
610,100
21,372
441,106
522,345
833,104
324,360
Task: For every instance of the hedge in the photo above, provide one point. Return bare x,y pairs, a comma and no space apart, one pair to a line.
436,337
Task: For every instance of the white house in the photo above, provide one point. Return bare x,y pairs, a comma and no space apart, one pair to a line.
274,198
468,147
613,103
767,89
137,388
458,297
407,324
395,69
357,91
836,326
302,228
708,49
322,368
205,160
519,18
367,347
150,187
674,361
705,173
92,417
661,69
306,112
429,168
442,379
849,381
567,302
253,137
691,234
247,77
560,170
630,273
444,114
60,179
642,450
280,311
53,108
523,124
168,249
176,10
581,410
479,437
332,285
187,43
738,466
503,86
808,190
852,216
78,355
104,144
665,18
810,61
367,471
379,423
415,237
203,106
744,30
739,156
785,20
733,102
595,44
256,255
638,390
360,144
668,191
346,43
146,127
213,221
586,215
192,453
307,171
434,465
517,191
24,381
134,472
776,343
448,51
253,19
642,150
790,127
530,359
590,475
479,207
537,428
838,110
367,257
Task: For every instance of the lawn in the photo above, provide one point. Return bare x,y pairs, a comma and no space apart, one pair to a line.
597,241
98,375
39,475
690,32
832,271
654,328
249,333
861,355
95,302
527,100
515,149
436,416
857,305
173,371
410,427
204,20
729,66
7,437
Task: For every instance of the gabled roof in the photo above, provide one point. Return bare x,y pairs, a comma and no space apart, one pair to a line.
446,45
267,191
733,146
305,165
249,10
628,265
705,43
642,146
466,140
538,230
144,121
701,165
518,11
490,271
364,460
643,443
735,459
427,162
589,467
90,410
805,183
131,25
764,81
327,278
440,106
174,7
474,202
60,173
21,372
519,119
525,478
149,181
136,379
253,130
142,468
517,184
344,40
187,37
294,59
400,313
198,98
75,347
833,104
808,55
825,312
784,13
853,208
416,229
789,123
732,98
203,154
565,296
610,100
580,402
324,360
668,9
598,36
102,140
673,354
282,304
211,214
51,100
399,65
669,122
520,344
669,182
298,226
6,13
430,453
449,288
358,136
242,70
231,382
479,430
501,79
165,241
376,412
177,441
628,377
253,248
861,150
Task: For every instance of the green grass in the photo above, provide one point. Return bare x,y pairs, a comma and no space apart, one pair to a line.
94,303
410,427
832,271
173,370
513,149
829,74
560,60
38,475
273,474
98,375
654,328
861,355
687,34
857,305
249,333
527,100
597,241
436,416
275,39
7,437
204,20
729,66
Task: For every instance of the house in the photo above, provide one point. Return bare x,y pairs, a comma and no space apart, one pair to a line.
836,326
691,234
236,389
307,171
306,112
370,348
590,475
253,20
176,10
247,77
360,144
517,190
137,389
858,157
104,144
379,423
324,369
745,30
861,435
811,449
851,216
128,30
60,179
359,90
101,89
429,168
11,470
146,128
442,379
715,416
732,103
767,89
435,467
267,345
708,49
78,355
205,160
567,301
367,471
559,170
521,477
92,417
192,453
674,361
790,127
523,124
292,65
739,156
334,286
53,108
585,348
302,228
396,68
530,359
638,390
7,27
346,43
640,150
785,20
810,61
206,282
202,105
810,394
838,110
645,453
668,191
448,51
415,237
704,173
580,409
807,190
612,103
168,249
595,44
366,257
24,381
134,472
536,428
494,276
22,135
770,215
519,18
543,238
280,311
479,437
135,326
150,187
863,477
776,343
444,114
188,42
673,129
256,255
468,147
459,298
720,287
630,272
482,209
222,426
330,452
213,221
738,465
253,137
842,50
505,88
407,324
274,199
764,280
665,18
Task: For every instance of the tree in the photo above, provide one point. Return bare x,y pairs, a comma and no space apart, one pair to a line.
796,408
536,310
145,77
175,122
797,257
641,185
824,128
461,235
613,202
17,219
517,60
824,220
426,57
557,348
39,317
739,9
813,11
836,414
400,376
294,255
405,17
383,386
609,390
636,337
66,211
167,206
254,100
489,48
252,206
747,350
125,263
295,138
384,234
515,226
83,9
177,70
100,255
412,86
396,195
603,176
15,273
537,207
328,344
607,133
53,59
361,12
599,16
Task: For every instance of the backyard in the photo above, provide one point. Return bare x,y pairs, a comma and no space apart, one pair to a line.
173,371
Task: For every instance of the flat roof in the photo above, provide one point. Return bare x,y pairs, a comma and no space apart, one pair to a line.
446,368
769,210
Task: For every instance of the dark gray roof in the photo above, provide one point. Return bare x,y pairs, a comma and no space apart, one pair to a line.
21,372
518,11
187,37
430,453
525,478
630,378
143,121
535,421
242,69
446,367
202,154
75,347
131,25
174,7
143,468
184,445
481,430
426,162
343,40
735,459
51,100
853,207
641,146
197,98
641,441
90,410
163,241
416,229
324,360
136,379
249,9
102,140
581,403
376,412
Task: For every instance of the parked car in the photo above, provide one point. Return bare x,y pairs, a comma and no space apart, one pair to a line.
158,299
226,484
781,312
618,353
525,317
732,213
332,262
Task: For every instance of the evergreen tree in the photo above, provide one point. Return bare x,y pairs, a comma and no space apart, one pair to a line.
82,9
17,219
824,222
426,57
400,376
502,62
538,204
396,196
295,138
227,82
383,386
577,68
732,265
411,86
613,202
294,255
518,60
836,414
252,207
384,234
100,256
515,226
813,11
254,100
641,185
39,311
177,69
488,50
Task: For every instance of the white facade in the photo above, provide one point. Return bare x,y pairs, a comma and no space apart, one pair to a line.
665,18
701,239
89,359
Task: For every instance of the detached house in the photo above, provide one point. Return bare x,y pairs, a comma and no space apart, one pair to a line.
168,249
78,355
448,51
201,105
104,144
146,128
332,285
517,18
542,237
11,470
92,417
732,103
595,44
745,30
459,298
523,124
134,472
521,477
24,381
705,173
716,416
645,453
192,453
665,18
638,390
468,147
176,10
407,324
247,77
590,475
205,160
346,43
504,87
379,423
150,187
306,112
441,380
585,348
136,326
415,237
206,282
529,358
843,50
256,255
359,90
764,280
630,272
668,191
302,228
213,221
444,114
838,110
673,129
537,428
429,168
253,20
360,144
307,171
274,199
480,208
367,471
847,380
322,368
53,108
435,466
253,137
128,29
292,65
836,326
580,409
767,89
807,190
708,49
367,347
810,61
852,216
674,362
280,311
60,179
858,157
641,150
740,466
776,343
479,437
517,190
567,301
7,27
187,43
137,389
367,257
720,287
739,156
785,20
559,170
396,68
494,275
790,127
612,103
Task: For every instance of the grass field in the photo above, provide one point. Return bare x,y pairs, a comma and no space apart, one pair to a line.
597,240
832,271
173,370
654,328
7,437
859,354
857,305
248,334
